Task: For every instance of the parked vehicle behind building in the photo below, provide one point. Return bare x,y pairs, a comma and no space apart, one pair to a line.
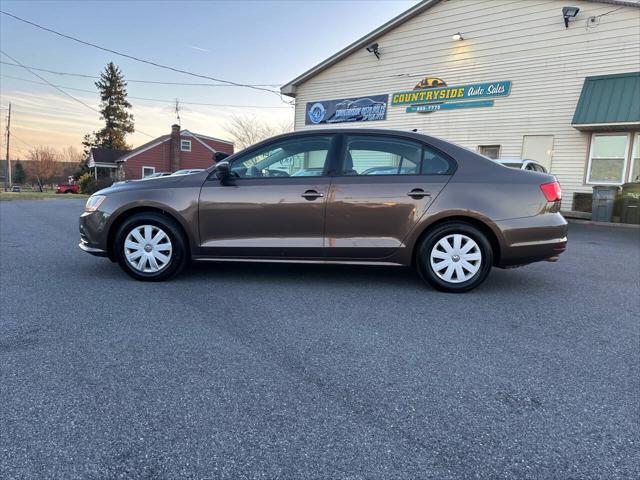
522,164
448,211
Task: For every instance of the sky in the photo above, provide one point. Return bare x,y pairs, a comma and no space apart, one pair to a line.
255,42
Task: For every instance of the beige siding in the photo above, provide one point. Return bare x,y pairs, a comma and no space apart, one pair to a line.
521,41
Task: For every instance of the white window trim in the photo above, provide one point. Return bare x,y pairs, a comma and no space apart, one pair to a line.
152,168
634,153
185,142
624,165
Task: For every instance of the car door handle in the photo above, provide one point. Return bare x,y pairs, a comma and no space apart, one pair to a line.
312,194
418,193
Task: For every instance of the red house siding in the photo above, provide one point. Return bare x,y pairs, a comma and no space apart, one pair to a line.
159,157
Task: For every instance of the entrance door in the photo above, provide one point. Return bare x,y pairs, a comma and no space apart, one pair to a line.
538,148
384,186
274,205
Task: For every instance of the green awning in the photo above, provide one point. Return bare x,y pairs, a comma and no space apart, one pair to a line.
609,102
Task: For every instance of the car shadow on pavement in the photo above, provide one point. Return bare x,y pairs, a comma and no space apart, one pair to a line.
500,280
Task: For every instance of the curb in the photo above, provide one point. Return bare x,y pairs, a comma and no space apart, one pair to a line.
603,224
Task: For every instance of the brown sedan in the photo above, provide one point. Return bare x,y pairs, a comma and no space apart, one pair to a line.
355,196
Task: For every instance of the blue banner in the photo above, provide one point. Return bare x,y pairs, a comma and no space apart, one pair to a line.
359,109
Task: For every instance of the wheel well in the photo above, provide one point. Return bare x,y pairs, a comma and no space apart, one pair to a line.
483,227
115,226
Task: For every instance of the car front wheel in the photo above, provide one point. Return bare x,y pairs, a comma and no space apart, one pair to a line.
150,247
454,257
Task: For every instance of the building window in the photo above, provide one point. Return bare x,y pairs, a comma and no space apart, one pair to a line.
491,151
607,159
146,171
634,173
185,145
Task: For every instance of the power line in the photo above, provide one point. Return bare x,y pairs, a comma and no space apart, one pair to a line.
62,91
50,84
146,98
137,59
155,82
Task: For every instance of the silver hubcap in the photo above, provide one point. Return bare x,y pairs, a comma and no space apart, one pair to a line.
456,258
147,248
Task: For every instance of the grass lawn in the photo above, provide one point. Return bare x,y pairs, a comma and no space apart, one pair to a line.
31,195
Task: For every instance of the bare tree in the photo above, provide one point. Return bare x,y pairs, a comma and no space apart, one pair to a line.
43,166
246,130
72,154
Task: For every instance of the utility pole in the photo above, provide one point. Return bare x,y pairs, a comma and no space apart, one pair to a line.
7,167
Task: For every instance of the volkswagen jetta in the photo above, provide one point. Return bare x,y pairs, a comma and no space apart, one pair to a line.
358,196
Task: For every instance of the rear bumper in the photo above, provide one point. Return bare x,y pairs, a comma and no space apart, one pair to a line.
532,239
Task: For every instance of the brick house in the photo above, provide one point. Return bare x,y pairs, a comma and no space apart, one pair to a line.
178,150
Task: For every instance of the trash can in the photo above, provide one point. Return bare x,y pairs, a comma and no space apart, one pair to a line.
603,201
631,203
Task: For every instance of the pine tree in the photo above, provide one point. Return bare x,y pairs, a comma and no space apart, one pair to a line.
19,174
114,110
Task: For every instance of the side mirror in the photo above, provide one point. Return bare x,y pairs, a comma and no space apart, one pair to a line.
223,172
219,156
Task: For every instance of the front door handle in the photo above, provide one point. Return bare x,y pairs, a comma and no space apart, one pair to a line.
312,194
418,193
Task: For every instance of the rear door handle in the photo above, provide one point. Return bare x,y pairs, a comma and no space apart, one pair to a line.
312,194
418,193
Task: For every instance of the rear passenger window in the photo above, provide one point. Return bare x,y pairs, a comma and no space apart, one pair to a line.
369,155
435,163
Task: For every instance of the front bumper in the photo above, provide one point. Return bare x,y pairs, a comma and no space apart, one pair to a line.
533,239
92,250
93,233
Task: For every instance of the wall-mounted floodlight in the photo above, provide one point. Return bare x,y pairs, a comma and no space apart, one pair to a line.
457,36
373,48
569,12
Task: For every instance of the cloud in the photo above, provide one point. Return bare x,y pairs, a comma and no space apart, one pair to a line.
199,48
56,121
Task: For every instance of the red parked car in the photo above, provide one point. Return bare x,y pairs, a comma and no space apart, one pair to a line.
68,188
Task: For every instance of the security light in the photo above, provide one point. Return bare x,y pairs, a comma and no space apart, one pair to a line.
569,12
457,36
373,48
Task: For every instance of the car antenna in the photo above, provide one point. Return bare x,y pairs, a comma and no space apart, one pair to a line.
414,129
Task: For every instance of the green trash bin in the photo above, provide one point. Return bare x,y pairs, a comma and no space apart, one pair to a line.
603,201
631,203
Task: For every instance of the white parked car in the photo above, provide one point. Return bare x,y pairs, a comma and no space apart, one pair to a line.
522,164
188,171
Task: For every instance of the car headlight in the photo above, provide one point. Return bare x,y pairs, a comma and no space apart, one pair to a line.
94,202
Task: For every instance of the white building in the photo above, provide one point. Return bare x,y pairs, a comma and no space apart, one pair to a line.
562,102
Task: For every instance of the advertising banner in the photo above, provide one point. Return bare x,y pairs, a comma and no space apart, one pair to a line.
474,91
361,109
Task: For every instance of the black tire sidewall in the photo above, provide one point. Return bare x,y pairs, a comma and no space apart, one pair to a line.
178,245
423,262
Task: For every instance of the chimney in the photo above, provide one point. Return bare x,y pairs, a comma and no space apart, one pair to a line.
174,154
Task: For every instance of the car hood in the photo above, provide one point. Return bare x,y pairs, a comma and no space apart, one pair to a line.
153,183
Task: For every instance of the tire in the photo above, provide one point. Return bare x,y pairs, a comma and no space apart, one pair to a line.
161,238
452,267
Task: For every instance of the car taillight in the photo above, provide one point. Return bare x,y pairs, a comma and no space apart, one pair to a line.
551,191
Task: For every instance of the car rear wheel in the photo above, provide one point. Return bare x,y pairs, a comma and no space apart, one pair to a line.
150,247
454,257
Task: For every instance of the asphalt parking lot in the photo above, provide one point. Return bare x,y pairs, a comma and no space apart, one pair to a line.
279,371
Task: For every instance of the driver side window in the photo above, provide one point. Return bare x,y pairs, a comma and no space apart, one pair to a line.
294,157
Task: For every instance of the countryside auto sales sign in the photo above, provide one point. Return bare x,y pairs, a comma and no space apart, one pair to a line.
360,109
431,95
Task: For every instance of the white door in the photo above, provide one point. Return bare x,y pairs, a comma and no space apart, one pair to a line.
538,148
